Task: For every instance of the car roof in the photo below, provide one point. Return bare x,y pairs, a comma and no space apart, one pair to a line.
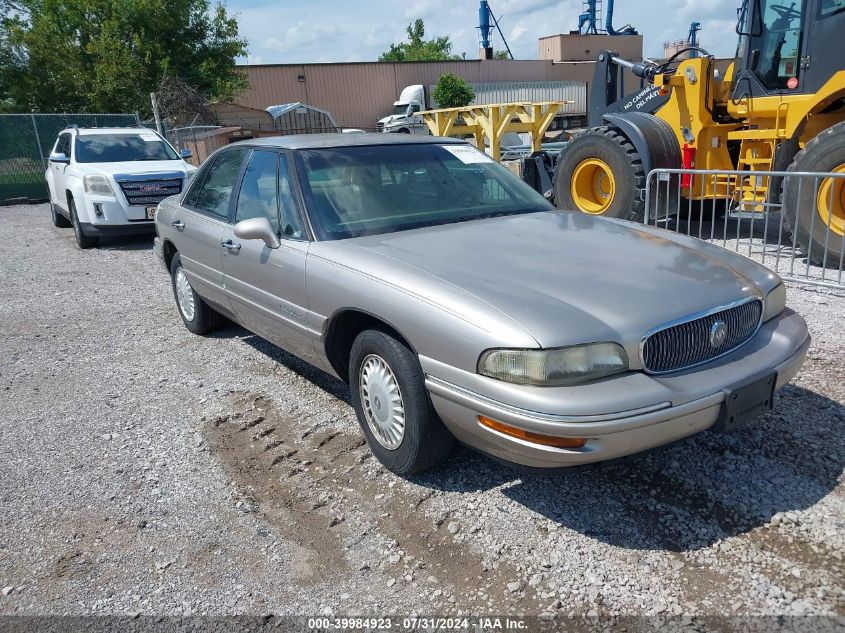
314,141
90,131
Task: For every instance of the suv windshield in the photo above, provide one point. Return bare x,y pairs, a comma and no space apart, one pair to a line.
114,148
354,191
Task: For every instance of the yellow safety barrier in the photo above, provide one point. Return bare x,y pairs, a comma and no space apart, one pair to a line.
493,120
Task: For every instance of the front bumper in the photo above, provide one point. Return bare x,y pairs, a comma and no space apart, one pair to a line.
619,416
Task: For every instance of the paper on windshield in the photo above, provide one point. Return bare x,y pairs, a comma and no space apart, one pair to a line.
149,137
467,155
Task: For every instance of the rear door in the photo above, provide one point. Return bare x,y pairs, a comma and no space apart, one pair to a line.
266,286
201,221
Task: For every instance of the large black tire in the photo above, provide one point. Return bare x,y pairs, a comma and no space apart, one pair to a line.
608,145
204,318
82,240
801,216
58,219
425,442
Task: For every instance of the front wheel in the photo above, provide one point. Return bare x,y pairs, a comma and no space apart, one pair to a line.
393,406
196,314
601,173
82,240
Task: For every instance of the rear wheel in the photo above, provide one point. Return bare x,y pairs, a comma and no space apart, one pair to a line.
196,314
82,240
601,173
58,219
393,406
816,217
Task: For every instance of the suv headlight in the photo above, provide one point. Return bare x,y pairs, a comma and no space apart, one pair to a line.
97,184
775,302
554,367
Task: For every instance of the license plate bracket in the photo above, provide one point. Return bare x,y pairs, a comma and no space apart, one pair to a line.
745,401
151,213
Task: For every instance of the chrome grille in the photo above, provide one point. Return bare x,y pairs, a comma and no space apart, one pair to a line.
149,192
379,127
688,344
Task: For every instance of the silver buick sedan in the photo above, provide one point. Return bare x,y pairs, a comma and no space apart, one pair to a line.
460,306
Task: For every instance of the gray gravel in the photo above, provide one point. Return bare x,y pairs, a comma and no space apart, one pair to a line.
148,470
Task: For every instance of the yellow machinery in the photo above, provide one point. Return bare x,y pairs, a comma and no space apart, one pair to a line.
780,106
494,120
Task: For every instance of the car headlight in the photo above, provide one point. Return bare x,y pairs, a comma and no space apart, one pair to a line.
554,367
775,302
97,184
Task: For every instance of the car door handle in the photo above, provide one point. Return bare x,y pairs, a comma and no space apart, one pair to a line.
232,246
178,224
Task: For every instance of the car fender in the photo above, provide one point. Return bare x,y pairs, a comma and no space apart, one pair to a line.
51,188
74,186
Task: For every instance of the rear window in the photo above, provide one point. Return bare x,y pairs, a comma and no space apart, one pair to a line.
115,148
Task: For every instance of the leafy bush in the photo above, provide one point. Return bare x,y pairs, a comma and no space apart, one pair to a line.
452,91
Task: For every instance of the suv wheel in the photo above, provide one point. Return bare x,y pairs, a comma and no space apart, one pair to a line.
196,314
82,240
393,406
58,219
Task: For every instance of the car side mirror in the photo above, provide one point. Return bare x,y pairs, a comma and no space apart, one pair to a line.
59,157
258,229
185,153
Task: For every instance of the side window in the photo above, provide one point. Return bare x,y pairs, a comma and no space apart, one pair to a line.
779,43
259,196
215,192
63,145
291,224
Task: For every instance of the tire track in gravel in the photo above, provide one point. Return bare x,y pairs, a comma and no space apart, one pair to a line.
304,482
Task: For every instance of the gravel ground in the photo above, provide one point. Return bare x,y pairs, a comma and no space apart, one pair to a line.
148,470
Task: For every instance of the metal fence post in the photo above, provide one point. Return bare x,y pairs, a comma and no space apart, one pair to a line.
38,140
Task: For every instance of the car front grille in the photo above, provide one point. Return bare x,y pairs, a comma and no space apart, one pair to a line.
149,192
379,127
692,342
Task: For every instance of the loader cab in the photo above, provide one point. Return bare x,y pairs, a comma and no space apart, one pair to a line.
787,46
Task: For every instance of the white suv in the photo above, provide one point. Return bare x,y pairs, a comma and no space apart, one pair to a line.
109,181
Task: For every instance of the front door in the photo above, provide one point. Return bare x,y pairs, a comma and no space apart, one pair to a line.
203,220
267,285
58,194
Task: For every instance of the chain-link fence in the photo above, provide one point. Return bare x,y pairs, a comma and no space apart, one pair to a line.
792,222
25,144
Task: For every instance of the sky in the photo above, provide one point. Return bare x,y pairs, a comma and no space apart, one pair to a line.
293,31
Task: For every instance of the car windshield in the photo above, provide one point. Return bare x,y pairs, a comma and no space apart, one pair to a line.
115,148
400,108
355,191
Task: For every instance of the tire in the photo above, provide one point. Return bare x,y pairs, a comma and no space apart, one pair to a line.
59,220
601,173
403,131
424,441
203,318
82,240
807,218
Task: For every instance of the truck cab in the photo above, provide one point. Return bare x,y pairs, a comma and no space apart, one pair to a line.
405,118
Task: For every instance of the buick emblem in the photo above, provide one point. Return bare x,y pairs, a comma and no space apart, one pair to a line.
718,334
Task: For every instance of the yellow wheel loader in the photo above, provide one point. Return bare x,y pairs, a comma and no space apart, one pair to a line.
779,106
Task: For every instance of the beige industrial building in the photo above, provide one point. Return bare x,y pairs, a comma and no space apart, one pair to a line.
358,94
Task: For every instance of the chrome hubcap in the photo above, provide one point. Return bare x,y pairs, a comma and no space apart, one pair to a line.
184,295
382,402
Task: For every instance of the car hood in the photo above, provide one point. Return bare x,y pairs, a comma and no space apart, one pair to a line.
570,278
136,167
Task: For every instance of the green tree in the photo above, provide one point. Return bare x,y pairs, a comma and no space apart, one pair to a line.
452,91
501,55
108,55
417,49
